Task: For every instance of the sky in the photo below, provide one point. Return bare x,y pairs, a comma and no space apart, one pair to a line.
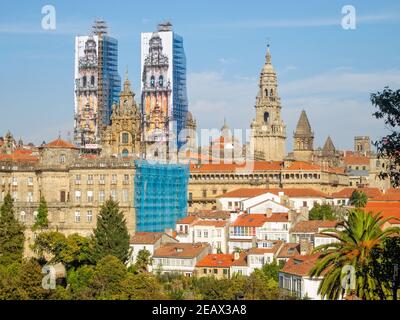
322,68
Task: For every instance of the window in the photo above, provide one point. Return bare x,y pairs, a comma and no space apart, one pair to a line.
364,168
30,181
152,80
114,179
62,196
125,138
190,196
214,191
14,181
90,179
30,196
84,81
224,191
161,81
92,80
205,232
229,204
102,179
266,92
22,216
204,271
62,158
304,203
89,216
125,195
90,196
114,194
199,233
126,178
125,153
204,193
77,196
77,179
215,271
101,196
15,195
77,216
219,233
266,116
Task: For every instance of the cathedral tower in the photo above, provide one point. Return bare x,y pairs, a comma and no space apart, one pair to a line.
303,146
268,129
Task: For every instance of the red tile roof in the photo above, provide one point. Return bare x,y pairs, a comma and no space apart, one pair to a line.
289,250
393,196
187,220
216,261
300,265
208,223
213,214
241,261
387,209
356,160
312,226
259,251
250,220
231,167
347,192
146,237
300,165
59,143
19,156
290,192
180,250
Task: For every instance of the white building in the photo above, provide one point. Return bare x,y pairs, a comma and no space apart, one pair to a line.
295,278
149,241
179,257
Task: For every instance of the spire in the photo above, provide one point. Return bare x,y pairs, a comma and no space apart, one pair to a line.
329,146
225,127
303,125
268,55
127,83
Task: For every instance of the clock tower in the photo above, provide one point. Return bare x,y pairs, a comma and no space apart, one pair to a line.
268,129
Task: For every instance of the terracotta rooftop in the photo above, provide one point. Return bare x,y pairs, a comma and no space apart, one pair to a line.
250,220
300,265
180,250
59,143
356,160
19,156
300,165
312,226
289,250
276,246
146,237
242,261
347,192
209,223
213,214
392,196
187,220
216,261
290,192
387,209
231,167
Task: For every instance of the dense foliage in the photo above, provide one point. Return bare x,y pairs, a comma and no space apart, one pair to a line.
322,212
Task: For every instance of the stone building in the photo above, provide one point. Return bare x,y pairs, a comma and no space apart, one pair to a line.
123,135
268,129
74,186
303,147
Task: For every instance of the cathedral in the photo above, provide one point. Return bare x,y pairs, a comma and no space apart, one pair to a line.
268,129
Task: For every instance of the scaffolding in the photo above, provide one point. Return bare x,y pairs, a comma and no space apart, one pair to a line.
160,195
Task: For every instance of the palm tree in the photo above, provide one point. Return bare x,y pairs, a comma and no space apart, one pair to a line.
356,238
358,199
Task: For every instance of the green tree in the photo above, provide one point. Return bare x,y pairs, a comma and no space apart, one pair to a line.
106,282
73,251
385,261
11,234
322,212
356,236
41,221
78,281
387,104
260,287
142,286
111,235
271,270
358,199
143,260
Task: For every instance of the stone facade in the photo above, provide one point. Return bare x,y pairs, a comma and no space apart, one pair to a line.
268,129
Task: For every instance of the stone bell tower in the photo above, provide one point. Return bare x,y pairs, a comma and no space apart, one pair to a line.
268,129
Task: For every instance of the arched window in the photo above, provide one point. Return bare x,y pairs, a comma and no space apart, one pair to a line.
266,92
92,80
152,81
125,153
125,138
84,81
266,116
271,93
161,81
156,154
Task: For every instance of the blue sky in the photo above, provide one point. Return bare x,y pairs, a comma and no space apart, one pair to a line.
322,68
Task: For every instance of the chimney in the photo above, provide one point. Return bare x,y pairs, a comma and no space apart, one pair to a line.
236,255
304,216
268,213
305,247
169,232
